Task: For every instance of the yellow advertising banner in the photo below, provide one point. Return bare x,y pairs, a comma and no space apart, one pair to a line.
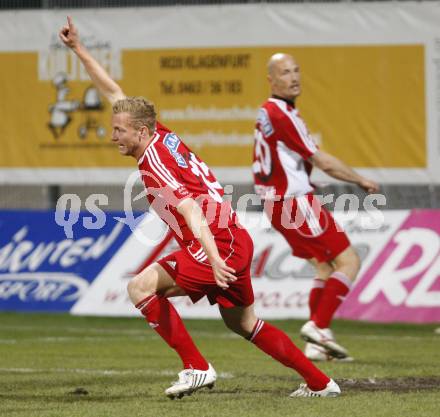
365,104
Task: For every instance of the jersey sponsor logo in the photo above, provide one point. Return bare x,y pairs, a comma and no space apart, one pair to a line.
180,160
172,142
264,122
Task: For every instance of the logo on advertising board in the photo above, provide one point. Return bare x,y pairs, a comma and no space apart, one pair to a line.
73,113
403,282
42,270
62,111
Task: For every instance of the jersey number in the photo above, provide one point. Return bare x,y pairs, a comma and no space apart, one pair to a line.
200,169
263,161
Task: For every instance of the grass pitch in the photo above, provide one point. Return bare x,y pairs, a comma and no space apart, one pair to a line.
64,366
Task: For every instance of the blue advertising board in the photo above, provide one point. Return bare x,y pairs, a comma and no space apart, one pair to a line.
43,268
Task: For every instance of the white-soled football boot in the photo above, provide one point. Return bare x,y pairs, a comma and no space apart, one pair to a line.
191,380
331,390
311,333
317,353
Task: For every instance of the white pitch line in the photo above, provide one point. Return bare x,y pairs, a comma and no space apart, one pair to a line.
116,335
165,372
386,337
116,332
73,329
8,341
64,339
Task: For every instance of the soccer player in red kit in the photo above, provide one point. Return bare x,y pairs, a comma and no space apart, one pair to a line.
284,154
215,255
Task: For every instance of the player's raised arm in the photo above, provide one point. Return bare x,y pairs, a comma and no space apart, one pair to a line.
102,80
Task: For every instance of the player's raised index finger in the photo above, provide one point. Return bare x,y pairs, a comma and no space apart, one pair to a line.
70,22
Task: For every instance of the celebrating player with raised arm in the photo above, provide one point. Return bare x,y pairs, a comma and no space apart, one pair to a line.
215,255
284,155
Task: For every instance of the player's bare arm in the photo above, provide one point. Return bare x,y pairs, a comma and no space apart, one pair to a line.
107,87
196,221
339,170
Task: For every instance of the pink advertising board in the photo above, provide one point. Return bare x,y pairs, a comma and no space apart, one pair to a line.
402,283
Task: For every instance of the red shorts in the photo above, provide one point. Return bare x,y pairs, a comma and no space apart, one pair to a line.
197,280
309,228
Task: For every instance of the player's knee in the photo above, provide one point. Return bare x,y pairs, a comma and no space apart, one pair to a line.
241,327
243,331
324,270
348,262
246,330
232,325
131,288
354,262
142,285
357,261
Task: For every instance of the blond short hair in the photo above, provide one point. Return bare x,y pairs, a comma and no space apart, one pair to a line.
141,111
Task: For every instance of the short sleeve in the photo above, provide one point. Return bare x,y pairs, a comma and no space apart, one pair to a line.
291,130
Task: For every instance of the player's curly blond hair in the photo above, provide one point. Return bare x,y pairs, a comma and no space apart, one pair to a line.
141,111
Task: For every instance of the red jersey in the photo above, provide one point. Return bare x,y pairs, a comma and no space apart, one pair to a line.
282,148
172,173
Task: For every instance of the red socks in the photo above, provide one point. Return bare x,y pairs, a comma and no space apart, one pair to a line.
315,295
277,344
164,319
334,292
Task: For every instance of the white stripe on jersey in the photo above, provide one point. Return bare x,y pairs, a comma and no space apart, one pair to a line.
299,125
155,137
309,215
292,164
160,168
157,170
198,252
156,166
230,244
199,256
163,166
